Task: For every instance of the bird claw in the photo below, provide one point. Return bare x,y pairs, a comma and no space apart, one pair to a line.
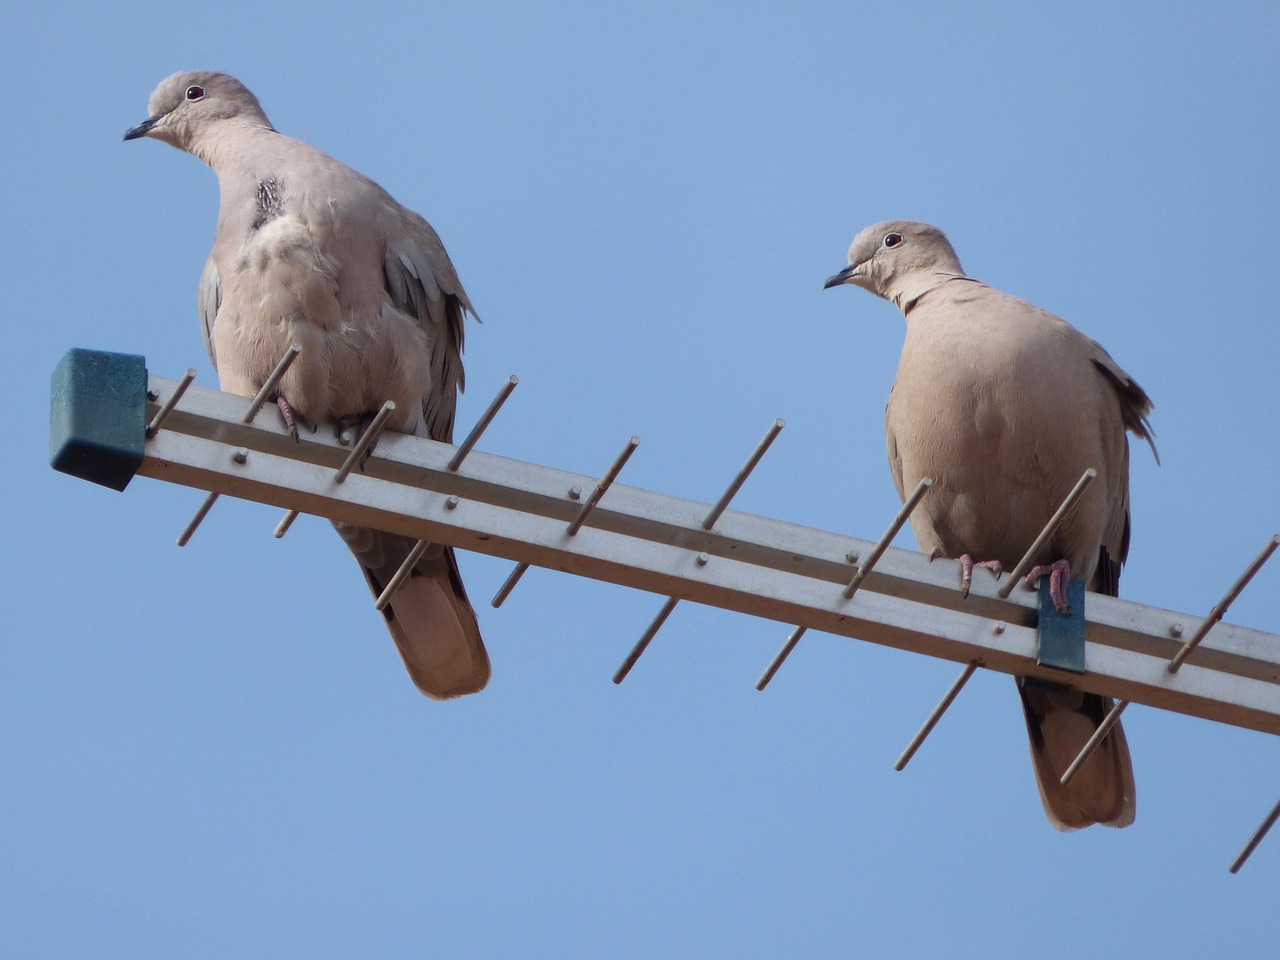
967,563
1059,573
289,414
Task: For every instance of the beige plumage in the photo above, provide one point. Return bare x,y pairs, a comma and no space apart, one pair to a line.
1005,406
309,251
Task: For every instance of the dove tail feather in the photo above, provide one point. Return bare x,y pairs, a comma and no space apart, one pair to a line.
430,618
1060,720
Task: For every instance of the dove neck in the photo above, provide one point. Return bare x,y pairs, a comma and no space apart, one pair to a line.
228,147
910,290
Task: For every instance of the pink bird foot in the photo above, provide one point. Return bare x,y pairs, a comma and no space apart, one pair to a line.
1059,573
290,415
967,563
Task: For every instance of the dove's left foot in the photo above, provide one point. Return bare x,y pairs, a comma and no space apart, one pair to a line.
967,563
290,415
1059,573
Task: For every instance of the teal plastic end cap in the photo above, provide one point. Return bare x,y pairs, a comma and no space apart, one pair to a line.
98,416
1060,636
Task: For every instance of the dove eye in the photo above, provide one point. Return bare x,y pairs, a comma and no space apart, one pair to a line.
892,240
195,92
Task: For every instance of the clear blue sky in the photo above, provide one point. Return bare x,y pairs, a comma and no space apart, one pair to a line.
214,751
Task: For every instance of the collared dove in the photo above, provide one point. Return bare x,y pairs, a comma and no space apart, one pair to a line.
1005,406
309,251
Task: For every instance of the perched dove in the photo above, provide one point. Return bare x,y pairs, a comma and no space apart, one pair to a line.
1005,406
309,251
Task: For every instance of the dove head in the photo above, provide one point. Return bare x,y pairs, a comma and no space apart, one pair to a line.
899,258
187,107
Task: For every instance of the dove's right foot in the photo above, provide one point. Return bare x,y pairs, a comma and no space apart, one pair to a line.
352,429
1058,572
967,563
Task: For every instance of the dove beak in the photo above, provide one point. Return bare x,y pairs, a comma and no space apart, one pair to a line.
142,129
844,276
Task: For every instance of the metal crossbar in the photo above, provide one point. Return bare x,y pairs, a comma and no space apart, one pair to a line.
751,564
